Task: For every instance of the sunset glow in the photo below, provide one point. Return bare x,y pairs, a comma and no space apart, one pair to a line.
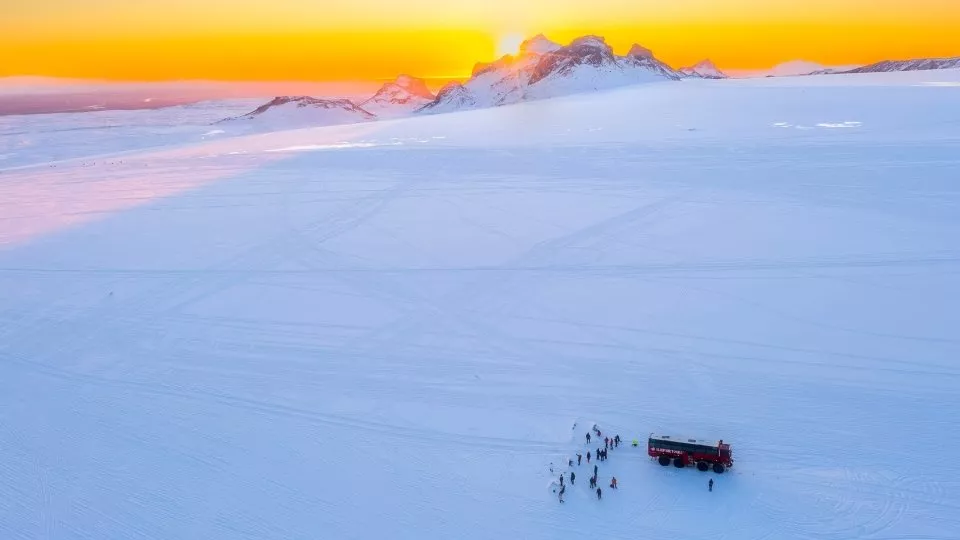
374,39
509,43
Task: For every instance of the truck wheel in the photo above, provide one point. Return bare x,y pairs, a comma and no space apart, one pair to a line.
664,460
703,466
718,468
678,463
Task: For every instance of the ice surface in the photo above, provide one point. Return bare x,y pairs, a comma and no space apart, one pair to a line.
391,330
49,138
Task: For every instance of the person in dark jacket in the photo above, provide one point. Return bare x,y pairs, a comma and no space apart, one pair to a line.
562,490
710,484
588,457
588,438
599,494
594,470
561,479
573,477
593,482
579,458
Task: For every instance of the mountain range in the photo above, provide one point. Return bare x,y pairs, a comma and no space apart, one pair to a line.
920,64
541,69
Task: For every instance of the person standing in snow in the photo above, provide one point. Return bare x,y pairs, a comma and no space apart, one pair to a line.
561,480
562,490
599,494
606,442
588,438
617,440
613,482
599,455
579,457
710,485
573,477
588,457
593,482
570,463
594,470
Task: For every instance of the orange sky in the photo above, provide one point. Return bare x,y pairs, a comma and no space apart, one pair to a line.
375,39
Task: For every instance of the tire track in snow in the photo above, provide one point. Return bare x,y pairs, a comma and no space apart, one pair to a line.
212,397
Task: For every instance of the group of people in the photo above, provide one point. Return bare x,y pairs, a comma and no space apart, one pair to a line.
600,455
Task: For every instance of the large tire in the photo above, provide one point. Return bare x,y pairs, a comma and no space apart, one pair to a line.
703,466
664,460
678,463
718,468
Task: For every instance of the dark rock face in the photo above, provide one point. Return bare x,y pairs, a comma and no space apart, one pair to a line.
306,101
453,94
642,57
588,50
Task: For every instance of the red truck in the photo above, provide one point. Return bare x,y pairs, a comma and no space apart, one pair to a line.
684,451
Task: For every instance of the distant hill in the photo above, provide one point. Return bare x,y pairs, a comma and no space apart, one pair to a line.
920,64
705,69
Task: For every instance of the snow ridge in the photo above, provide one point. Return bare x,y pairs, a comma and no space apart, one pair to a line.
705,69
920,64
291,112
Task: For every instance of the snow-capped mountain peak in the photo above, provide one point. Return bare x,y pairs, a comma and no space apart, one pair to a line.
643,58
539,44
414,85
545,69
291,112
402,96
795,67
587,50
454,96
639,51
304,102
705,69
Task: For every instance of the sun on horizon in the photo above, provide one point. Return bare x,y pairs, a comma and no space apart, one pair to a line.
509,43
306,40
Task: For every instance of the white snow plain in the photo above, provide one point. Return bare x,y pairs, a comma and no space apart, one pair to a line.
389,330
